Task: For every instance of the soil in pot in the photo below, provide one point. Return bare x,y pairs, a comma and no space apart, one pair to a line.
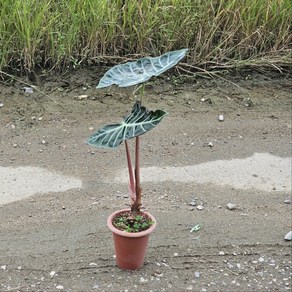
126,222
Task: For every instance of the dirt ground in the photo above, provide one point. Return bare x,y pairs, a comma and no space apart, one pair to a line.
59,241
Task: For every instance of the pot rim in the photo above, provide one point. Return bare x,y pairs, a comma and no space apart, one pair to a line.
130,234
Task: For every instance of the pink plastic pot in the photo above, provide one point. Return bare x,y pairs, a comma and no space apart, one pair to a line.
130,248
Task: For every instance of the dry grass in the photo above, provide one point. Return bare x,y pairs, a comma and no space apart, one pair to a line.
52,34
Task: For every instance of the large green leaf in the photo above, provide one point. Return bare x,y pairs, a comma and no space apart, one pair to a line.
138,122
133,73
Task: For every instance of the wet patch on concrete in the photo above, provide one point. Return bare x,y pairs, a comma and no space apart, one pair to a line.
23,182
261,171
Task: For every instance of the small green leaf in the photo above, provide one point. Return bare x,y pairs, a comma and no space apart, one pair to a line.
196,228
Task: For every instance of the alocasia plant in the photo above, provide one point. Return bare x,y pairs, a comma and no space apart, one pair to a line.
140,120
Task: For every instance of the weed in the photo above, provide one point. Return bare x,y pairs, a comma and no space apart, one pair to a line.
128,223
220,33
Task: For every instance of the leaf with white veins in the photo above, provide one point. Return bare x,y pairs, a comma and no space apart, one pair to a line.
138,122
132,73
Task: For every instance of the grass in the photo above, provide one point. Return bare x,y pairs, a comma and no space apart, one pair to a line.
56,35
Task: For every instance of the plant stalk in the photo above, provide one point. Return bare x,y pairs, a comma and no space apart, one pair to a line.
137,203
131,175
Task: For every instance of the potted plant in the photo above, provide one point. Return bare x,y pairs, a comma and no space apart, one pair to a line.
131,227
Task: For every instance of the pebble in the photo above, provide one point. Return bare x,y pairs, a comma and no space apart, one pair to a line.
175,254
52,274
287,201
221,118
1,104
3,267
248,102
28,89
60,287
261,260
230,206
210,144
158,274
193,203
82,96
221,253
197,274
205,99
288,236
143,280
91,128
230,266
200,207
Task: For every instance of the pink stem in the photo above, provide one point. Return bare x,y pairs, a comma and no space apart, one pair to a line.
137,172
131,175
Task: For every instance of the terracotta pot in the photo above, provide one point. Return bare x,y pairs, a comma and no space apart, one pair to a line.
130,247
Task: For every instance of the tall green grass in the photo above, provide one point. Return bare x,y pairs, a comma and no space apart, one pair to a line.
52,34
